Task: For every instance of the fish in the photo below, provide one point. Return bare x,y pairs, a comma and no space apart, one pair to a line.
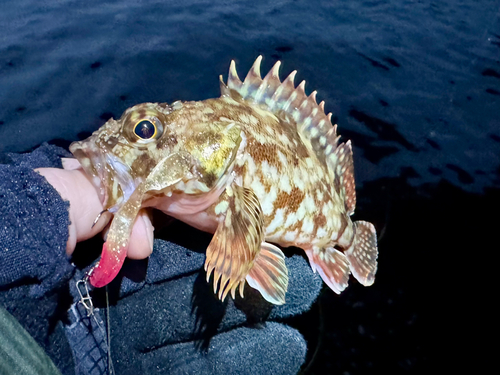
261,167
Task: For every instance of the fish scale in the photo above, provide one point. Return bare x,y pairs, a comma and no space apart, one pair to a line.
260,166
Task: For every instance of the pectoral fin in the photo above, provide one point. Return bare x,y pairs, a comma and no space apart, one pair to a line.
167,173
237,251
236,241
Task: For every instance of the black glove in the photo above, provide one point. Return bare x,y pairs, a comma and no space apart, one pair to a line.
172,323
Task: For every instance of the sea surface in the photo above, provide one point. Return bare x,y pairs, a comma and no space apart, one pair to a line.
414,84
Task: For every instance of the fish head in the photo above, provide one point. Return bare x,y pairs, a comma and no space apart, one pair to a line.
123,153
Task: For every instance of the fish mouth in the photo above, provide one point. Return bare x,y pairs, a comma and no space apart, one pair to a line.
109,175
90,160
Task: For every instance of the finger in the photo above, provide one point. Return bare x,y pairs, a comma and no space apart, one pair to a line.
141,239
85,205
70,163
75,187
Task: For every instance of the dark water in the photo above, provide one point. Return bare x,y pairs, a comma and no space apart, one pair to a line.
414,84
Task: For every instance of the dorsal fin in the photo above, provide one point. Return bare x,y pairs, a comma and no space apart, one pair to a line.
345,170
284,98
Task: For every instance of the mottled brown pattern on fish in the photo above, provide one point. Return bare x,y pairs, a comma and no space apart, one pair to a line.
288,128
319,222
142,165
111,142
262,152
263,159
289,201
344,222
240,170
168,141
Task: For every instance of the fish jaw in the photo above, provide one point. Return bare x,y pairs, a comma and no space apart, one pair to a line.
110,176
87,153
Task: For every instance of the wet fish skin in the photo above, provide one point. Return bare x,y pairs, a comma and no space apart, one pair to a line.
260,164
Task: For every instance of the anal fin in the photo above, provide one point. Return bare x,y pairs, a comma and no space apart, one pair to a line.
362,254
332,265
269,274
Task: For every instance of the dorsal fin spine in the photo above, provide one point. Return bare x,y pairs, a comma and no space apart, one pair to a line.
271,84
300,93
307,107
224,90
277,96
253,81
233,81
289,102
260,92
287,89
313,96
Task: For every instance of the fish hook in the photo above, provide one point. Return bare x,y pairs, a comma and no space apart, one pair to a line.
98,217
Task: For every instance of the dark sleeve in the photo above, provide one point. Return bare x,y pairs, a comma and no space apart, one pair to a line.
34,268
34,224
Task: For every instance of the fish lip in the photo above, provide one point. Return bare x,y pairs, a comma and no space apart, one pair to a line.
91,160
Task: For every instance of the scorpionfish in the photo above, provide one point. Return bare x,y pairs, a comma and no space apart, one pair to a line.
259,166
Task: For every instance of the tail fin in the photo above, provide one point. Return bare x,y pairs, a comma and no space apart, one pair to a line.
269,274
362,254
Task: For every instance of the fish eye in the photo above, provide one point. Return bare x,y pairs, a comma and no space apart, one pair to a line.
145,129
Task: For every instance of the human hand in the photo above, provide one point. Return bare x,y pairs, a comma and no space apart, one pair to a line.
75,186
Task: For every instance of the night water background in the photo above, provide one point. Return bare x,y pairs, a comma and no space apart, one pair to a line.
414,84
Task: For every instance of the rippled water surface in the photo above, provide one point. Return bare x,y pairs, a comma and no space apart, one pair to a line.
413,83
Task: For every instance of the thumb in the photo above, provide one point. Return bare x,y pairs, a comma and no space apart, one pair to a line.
141,239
